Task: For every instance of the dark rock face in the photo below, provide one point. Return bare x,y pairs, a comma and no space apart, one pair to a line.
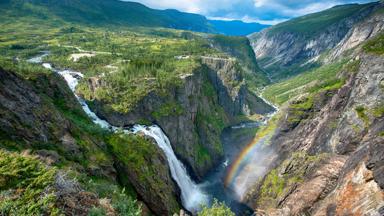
350,180
24,113
210,98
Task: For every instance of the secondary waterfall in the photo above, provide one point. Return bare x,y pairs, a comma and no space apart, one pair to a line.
191,195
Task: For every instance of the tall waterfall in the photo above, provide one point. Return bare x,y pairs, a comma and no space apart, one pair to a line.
191,195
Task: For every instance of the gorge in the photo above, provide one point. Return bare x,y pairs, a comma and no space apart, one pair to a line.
193,196
112,108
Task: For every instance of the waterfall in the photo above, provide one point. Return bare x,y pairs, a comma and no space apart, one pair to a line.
191,195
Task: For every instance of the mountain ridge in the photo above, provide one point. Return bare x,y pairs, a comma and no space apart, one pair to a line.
130,14
296,45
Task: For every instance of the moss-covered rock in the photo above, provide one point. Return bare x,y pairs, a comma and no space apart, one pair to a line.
142,164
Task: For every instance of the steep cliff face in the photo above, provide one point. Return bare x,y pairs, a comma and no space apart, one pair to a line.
359,33
297,45
194,113
330,158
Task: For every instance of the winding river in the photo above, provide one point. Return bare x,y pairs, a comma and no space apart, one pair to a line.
192,195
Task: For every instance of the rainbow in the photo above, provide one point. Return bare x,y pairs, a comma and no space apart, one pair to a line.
243,157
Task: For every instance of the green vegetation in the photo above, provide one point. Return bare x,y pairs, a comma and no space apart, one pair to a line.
28,189
378,111
240,48
107,14
168,109
273,185
23,68
375,45
26,186
217,209
132,150
125,65
361,112
311,24
126,206
203,156
142,161
313,81
299,110
281,179
266,131
245,132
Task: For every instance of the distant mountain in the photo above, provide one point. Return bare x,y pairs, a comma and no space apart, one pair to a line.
109,13
236,27
295,46
125,13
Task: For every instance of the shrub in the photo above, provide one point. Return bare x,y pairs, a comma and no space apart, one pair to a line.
375,45
97,212
26,186
126,206
217,209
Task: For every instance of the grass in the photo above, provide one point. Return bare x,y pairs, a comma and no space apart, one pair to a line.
378,111
361,112
132,150
217,209
168,109
203,156
26,186
312,24
375,45
300,110
322,78
280,180
142,161
107,14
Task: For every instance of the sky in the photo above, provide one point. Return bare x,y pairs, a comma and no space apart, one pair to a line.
261,11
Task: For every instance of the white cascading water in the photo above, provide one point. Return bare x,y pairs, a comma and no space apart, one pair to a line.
191,194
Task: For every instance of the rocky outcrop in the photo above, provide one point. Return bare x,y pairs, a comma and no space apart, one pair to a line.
285,50
42,114
345,126
152,181
194,113
360,32
27,116
227,78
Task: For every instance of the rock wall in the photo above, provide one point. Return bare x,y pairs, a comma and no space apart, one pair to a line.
341,138
285,53
360,32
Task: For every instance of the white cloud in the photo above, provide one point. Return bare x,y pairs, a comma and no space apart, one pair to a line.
262,11
260,3
294,11
248,19
193,6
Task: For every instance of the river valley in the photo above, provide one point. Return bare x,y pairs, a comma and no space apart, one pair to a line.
193,195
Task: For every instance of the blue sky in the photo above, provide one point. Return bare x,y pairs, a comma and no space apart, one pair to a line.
263,11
